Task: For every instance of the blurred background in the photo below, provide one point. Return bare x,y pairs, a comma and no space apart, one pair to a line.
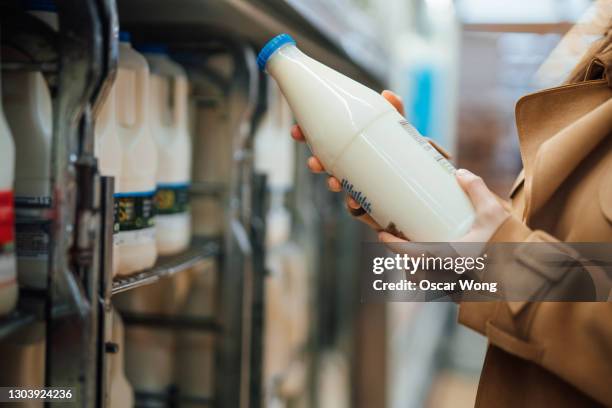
260,306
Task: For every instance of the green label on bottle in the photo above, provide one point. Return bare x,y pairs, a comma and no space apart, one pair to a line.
172,198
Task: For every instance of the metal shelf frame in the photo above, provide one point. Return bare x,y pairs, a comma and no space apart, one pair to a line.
199,250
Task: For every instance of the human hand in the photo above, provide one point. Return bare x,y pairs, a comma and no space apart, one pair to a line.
490,213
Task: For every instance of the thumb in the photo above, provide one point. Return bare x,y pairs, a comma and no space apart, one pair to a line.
476,189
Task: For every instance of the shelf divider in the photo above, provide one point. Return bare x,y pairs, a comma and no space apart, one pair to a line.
199,250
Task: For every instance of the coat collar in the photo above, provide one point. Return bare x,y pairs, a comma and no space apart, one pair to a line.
557,129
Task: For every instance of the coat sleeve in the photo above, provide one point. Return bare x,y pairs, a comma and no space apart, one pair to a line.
573,340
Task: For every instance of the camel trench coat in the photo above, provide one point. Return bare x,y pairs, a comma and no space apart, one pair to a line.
552,353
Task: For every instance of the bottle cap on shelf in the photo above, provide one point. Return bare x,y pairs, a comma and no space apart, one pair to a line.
124,36
41,5
153,49
271,47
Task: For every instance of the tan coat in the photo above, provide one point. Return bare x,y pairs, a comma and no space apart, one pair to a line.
555,354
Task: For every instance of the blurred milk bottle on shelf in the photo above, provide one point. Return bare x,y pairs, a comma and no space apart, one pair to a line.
168,113
23,362
8,266
134,200
214,115
286,285
382,161
107,149
425,57
121,394
29,112
150,351
195,349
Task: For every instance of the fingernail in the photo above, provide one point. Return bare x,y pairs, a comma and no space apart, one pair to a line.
463,172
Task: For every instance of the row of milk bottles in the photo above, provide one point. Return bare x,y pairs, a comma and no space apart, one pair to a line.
25,163
142,140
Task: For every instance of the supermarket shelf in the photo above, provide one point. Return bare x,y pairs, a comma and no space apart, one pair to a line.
171,398
333,35
177,322
30,308
199,250
14,322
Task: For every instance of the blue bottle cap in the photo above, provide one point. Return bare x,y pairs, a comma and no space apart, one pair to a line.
41,5
271,47
153,49
124,36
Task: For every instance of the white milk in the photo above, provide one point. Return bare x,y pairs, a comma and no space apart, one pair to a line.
121,394
195,350
381,160
134,206
8,266
150,351
23,362
169,124
107,149
28,110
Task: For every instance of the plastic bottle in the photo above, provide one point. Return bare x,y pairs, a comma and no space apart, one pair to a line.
121,392
195,349
169,124
23,362
134,206
8,267
107,149
150,351
28,110
381,160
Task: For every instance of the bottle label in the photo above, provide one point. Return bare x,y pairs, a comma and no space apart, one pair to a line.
172,199
134,221
424,143
32,236
357,195
8,269
7,223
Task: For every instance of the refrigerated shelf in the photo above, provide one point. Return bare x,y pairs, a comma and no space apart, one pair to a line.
14,322
199,250
175,322
334,37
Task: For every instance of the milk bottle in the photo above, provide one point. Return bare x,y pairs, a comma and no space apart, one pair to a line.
107,149
149,357
121,393
134,207
381,160
169,123
28,109
8,266
23,362
195,349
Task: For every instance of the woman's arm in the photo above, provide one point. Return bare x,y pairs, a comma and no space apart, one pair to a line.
572,340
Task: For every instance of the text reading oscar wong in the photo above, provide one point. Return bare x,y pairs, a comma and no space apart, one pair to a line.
427,272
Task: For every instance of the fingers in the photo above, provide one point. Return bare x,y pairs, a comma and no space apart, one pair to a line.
296,133
395,100
490,214
333,184
482,198
350,201
387,238
315,165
